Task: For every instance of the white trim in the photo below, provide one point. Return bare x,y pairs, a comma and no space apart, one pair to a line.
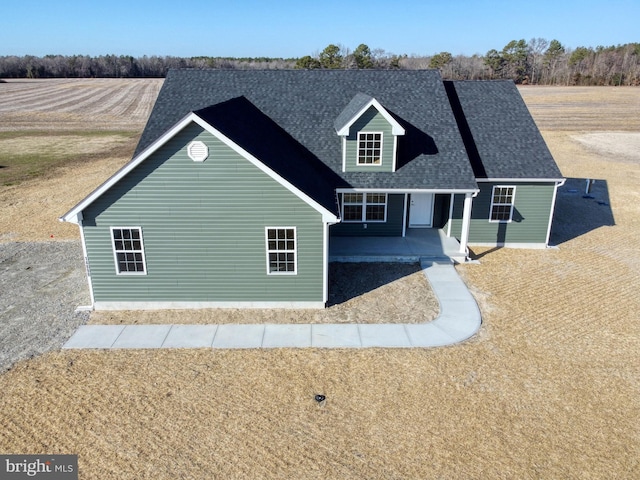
363,218
115,252
268,251
178,305
405,190
396,128
404,215
71,215
466,223
325,263
344,154
553,208
522,180
509,245
364,132
395,153
87,266
492,204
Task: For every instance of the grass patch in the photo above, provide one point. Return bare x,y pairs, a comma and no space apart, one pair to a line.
26,155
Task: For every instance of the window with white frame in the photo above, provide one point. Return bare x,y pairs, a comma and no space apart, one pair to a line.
281,250
364,207
502,203
369,148
128,250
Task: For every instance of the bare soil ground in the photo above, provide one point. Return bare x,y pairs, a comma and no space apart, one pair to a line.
77,103
358,293
548,388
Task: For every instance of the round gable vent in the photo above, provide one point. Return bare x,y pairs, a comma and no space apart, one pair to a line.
198,151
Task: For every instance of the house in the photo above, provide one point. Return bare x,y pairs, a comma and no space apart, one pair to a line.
241,178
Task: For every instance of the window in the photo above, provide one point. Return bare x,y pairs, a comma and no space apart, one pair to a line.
352,207
502,204
281,251
128,250
364,207
369,148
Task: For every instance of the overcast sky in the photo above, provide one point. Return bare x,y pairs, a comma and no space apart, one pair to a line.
286,28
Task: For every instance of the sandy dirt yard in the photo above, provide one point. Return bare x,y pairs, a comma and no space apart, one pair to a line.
549,388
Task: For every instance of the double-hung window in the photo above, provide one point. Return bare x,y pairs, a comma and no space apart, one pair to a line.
128,250
281,250
502,201
364,207
369,148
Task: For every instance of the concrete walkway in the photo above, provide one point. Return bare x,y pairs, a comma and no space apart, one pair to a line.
459,319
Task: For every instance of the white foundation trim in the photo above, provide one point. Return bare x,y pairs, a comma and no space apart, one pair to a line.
509,245
198,305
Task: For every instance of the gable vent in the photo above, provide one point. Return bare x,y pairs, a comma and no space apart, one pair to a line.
198,151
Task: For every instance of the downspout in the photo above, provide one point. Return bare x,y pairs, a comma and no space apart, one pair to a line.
553,209
85,256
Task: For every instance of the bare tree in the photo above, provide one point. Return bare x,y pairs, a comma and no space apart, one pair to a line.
536,48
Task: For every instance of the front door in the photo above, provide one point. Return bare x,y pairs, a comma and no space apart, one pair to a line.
421,210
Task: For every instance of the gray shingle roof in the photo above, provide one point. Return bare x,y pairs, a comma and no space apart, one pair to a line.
502,138
307,103
256,133
356,104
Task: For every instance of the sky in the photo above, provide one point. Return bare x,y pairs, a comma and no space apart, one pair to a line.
292,29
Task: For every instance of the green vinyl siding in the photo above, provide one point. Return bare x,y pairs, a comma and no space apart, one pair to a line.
203,226
392,227
370,121
532,208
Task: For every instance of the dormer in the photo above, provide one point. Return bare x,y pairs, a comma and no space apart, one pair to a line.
369,136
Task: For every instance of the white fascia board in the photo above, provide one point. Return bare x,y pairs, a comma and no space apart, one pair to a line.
406,190
396,128
72,215
512,180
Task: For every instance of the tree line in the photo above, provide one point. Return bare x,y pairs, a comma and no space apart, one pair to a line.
537,61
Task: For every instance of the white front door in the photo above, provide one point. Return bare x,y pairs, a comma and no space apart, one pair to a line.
421,210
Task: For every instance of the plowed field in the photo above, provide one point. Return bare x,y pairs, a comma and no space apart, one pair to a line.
77,104
549,388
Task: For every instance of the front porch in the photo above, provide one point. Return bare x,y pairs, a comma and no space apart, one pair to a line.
417,244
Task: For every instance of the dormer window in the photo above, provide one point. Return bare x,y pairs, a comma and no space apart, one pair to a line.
369,136
369,148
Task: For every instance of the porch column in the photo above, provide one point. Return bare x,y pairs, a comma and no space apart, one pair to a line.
466,221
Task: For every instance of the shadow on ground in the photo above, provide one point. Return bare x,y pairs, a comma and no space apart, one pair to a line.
578,212
580,208
351,280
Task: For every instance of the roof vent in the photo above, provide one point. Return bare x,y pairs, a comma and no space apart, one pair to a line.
198,151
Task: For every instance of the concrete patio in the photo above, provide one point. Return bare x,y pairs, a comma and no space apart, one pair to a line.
417,244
